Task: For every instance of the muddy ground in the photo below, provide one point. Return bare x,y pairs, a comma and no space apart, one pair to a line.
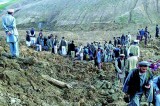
22,82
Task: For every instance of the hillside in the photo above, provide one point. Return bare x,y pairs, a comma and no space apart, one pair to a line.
23,81
86,14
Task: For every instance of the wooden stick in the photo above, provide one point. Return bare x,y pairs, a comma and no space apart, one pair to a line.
56,82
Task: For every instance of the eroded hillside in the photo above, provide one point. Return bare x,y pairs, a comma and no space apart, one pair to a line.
85,14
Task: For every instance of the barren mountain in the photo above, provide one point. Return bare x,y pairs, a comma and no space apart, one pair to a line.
85,14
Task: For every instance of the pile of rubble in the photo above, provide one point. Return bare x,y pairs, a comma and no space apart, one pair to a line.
44,79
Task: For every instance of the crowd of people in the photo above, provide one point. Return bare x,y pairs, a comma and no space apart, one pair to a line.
124,51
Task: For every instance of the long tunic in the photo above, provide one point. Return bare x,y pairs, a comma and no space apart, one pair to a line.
131,63
99,57
134,49
9,25
130,38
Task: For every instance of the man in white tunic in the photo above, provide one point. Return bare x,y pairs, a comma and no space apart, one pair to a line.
134,49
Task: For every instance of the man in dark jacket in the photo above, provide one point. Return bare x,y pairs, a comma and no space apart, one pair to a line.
146,35
123,38
120,67
117,51
157,31
139,81
118,40
141,32
28,40
39,43
62,46
72,49
115,41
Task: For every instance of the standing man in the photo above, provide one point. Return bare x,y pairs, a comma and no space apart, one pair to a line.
141,32
115,41
156,85
110,49
120,67
123,39
146,35
131,63
138,82
98,58
157,31
116,51
129,37
9,25
55,45
33,36
134,49
72,48
62,46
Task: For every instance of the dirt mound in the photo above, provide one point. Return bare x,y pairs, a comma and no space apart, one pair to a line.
21,81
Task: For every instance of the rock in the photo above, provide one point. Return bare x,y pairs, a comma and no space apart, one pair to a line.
115,97
45,104
15,101
156,47
111,91
82,102
3,100
91,87
27,61
104,92
108,85
109,99
98,84
14,65
42,64
6,55
1,50
157,53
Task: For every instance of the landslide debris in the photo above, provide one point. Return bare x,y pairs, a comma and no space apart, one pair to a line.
22,82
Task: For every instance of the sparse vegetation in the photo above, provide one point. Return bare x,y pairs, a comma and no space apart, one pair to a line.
2,6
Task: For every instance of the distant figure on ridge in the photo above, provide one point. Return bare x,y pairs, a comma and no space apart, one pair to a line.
157,31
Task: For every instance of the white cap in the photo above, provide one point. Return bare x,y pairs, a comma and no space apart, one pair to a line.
122,55
10,10
135,40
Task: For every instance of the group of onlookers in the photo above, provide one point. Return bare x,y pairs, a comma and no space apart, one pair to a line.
124,52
